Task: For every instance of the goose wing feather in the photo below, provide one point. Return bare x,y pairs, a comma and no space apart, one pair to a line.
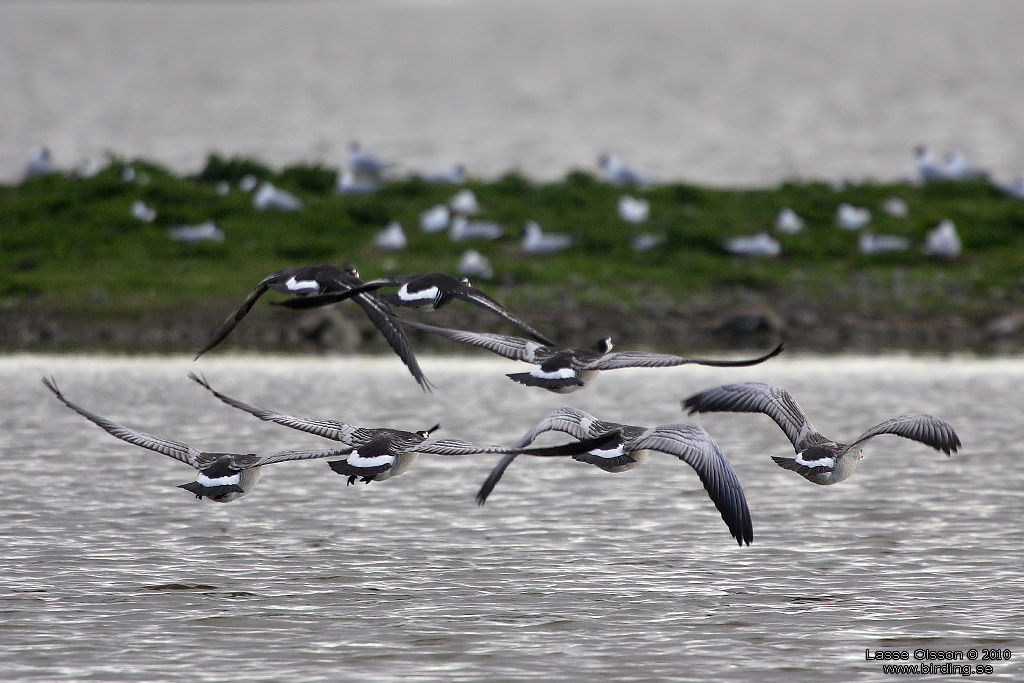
926,429
756,397
174,449
694,446
329,429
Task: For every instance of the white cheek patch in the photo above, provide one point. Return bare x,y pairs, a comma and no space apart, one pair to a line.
560,373
228,480
302,285
357,460
608,453
430,293
823,462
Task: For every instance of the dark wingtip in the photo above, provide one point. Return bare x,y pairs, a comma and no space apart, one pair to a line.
493,478
51,384
691,404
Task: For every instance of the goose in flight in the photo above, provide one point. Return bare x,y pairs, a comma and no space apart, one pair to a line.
309,281
818,459
379,453
223,477
627,446
416,291
564,370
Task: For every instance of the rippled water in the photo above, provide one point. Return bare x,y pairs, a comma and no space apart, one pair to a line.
734,91
109,572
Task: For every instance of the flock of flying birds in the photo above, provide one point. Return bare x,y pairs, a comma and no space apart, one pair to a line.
376,454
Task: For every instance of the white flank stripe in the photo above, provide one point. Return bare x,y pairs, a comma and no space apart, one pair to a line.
204,480
405,295
824,462
301,285
561,373
608,453
357,460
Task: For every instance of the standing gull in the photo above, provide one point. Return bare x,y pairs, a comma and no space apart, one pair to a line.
563,370
366,163
818,459
628,446
223,477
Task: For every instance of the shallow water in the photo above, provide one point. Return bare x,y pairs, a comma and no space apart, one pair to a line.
111,573
738,91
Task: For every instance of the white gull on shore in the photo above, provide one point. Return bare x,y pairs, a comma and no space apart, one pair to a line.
536,241
850,217
943,241
391,238
270,197
788,222
761,244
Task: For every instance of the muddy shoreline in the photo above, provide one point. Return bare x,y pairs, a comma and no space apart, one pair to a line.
679,329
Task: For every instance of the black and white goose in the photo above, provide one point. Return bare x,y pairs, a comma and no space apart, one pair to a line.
223,477
818,459
417,291
564,370
377,453
627,446
312,280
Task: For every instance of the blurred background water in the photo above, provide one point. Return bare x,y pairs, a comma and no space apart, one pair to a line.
109,572
725,92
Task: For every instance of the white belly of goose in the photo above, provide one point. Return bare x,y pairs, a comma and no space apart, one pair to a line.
246,479
428,294
560,373
357,460
294,285
638,457
227,480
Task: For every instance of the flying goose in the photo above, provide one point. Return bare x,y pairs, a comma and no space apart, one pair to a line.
318,279
628,446
426,289
563,370
379,453
818,459
223,477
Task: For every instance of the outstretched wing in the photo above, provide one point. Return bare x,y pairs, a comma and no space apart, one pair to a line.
236,317
755,397
509,347
927,429
458,447
253,460
179,451
493,478
569,420
329,429
696,448
383,318
642,359
481,299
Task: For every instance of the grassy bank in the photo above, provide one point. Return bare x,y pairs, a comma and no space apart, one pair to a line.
71,245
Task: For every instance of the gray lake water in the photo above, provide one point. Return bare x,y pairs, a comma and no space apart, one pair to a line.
731,91
109,572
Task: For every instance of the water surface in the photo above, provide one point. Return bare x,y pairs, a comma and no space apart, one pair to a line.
109,572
